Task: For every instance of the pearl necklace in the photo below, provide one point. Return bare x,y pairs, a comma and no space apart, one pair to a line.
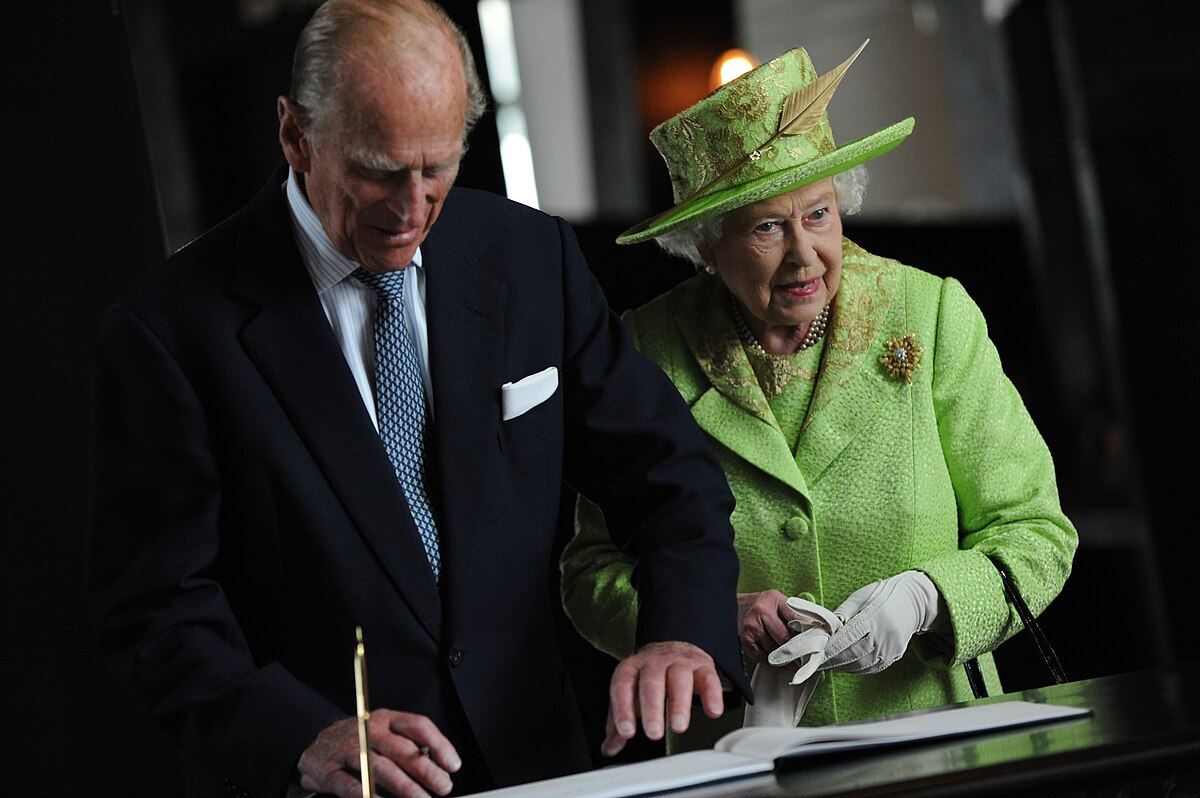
815,330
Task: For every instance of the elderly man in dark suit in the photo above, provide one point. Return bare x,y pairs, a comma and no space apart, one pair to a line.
353,404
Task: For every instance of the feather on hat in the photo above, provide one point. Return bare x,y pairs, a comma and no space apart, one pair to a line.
762,134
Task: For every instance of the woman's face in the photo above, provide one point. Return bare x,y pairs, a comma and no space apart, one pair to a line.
781,257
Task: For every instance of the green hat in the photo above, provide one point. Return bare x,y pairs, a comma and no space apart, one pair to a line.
762,134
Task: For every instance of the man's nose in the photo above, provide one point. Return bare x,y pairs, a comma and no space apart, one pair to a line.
406,194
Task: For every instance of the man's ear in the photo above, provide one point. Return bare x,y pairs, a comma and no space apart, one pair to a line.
297,148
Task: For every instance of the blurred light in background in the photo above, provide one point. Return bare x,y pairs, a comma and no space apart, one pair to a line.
729,65
500,52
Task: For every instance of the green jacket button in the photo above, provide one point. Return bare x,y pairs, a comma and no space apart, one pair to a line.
796,527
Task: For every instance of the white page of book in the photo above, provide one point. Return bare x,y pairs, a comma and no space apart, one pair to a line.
746,752
773,743
665,773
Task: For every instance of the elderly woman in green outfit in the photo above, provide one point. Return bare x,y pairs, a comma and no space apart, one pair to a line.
879,456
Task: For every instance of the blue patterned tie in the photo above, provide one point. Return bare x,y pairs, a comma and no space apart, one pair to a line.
400,403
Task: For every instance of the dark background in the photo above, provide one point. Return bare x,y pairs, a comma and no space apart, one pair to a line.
1098,338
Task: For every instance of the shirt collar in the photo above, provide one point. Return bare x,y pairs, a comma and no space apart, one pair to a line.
326,266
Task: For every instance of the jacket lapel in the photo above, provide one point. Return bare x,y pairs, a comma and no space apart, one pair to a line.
466,310
293,346
734,409
851,386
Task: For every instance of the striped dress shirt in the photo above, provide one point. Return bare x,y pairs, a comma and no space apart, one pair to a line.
350,305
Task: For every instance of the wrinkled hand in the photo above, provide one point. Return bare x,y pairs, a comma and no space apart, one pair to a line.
408,756
879,621
814,626
763,623
777,704
658,676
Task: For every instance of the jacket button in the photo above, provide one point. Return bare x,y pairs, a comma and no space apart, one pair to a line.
795,527
455,657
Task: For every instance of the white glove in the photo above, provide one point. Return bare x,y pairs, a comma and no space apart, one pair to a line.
815,626
879,620
779,698
867,633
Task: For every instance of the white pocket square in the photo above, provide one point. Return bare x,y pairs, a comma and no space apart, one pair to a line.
529,392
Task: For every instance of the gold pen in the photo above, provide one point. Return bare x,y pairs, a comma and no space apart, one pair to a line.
360,696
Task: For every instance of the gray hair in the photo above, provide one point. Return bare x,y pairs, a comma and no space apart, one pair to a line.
324,47
849,187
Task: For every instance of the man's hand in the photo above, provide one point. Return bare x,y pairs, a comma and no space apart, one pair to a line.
763,623
659,676
408,756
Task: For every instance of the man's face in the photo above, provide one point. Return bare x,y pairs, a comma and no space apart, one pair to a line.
377,179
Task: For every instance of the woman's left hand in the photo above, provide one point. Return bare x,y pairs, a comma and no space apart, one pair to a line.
763,623
880,620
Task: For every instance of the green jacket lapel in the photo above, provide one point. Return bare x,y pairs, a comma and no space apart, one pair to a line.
851,386
733,409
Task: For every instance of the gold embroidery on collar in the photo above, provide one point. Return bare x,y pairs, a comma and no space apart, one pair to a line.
862,303
703,310
776,372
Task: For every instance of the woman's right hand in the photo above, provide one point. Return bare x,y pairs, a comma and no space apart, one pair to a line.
763,623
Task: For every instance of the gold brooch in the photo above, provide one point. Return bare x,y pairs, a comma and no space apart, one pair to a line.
903,357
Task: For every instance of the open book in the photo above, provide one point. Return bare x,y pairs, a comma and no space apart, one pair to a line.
748,752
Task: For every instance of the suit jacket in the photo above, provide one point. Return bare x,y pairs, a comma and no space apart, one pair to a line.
245,516
886,476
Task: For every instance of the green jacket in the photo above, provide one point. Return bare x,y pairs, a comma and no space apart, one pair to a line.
887,476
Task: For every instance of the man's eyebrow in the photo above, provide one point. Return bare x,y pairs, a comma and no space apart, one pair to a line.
382,163
449,161
374,161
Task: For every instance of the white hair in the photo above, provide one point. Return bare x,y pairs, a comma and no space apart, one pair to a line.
326,44
848,186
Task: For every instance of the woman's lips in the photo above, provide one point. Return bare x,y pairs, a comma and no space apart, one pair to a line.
804,289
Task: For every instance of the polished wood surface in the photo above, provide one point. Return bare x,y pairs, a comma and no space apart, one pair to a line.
1142,739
